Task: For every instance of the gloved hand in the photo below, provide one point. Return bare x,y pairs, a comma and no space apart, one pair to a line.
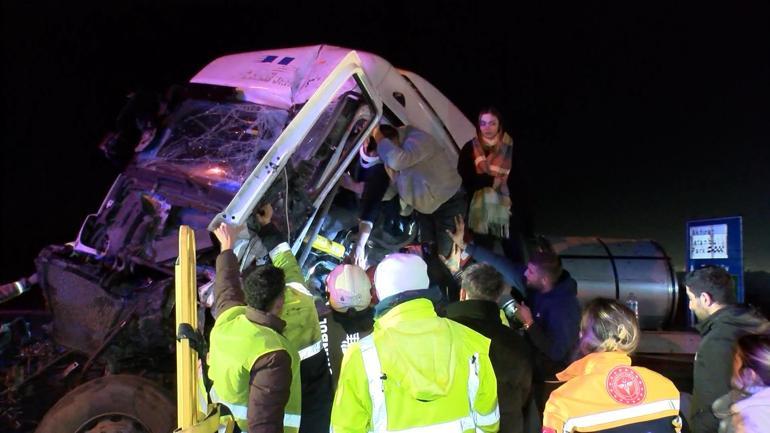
359,254
359,249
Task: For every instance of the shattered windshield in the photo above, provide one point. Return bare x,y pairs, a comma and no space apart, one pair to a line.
218,142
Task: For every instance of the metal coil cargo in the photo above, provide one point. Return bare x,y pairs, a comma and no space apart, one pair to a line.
618,268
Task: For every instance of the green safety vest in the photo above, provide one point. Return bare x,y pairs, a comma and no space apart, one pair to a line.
299,312
417,373
236,343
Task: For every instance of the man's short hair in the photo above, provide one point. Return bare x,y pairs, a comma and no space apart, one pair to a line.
371,145
389,132
262,286
548,262
715,281
482,281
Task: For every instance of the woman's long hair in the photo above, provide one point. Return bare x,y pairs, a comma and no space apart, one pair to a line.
495,112
608,326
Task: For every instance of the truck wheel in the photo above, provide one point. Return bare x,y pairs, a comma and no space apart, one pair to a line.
112,404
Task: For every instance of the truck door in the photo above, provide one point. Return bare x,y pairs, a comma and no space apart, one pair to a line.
303,166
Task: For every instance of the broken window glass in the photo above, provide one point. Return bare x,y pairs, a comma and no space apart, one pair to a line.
218,142
330,141
314,166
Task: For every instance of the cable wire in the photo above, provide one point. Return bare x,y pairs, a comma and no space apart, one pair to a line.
286,205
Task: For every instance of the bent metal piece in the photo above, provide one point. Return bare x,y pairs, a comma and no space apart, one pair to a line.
273,162
191,418
186,314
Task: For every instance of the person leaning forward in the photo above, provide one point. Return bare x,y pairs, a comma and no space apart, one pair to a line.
303,329
425,179
416,371
253,367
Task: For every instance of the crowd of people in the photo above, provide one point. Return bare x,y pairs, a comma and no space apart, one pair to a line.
406,352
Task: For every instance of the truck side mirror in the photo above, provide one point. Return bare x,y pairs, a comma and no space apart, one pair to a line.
141,111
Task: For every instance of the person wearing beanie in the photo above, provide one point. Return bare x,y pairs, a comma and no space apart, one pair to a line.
351,316
415,370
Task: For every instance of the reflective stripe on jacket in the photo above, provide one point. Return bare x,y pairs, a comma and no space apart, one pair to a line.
299,312
604,391
236,343
417,373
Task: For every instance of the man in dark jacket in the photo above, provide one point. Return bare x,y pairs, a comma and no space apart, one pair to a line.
711,293
481,287
551,320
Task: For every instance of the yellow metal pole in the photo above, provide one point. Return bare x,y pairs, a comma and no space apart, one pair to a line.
186,312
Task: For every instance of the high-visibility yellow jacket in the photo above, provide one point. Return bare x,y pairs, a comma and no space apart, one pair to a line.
417,372
604,391
236,343
299,312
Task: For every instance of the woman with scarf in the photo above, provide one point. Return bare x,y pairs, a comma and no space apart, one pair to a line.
484,165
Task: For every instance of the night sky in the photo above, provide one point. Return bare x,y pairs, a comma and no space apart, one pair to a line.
629,122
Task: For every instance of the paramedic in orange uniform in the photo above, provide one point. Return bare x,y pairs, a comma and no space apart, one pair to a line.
603,392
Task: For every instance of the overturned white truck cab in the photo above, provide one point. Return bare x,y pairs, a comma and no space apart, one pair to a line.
340,95
279,127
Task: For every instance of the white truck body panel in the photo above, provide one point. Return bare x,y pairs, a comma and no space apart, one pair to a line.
284,78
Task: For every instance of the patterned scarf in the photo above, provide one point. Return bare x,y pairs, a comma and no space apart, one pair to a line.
490,208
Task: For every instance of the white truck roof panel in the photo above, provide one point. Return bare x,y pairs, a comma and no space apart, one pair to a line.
283,78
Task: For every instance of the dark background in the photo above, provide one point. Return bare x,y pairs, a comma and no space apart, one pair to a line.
629,120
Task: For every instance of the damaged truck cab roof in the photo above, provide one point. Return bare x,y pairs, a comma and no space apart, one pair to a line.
284,78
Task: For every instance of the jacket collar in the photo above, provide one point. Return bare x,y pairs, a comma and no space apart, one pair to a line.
265,319
478,309
432,293
724,312
566,286
419,308
594,363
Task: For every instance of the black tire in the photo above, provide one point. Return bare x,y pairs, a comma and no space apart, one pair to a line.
115,404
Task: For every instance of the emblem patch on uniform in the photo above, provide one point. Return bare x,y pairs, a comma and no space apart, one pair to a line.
625,386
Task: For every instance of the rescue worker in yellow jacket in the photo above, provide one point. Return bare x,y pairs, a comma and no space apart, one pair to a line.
603,392
416,372
302,328
253,366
